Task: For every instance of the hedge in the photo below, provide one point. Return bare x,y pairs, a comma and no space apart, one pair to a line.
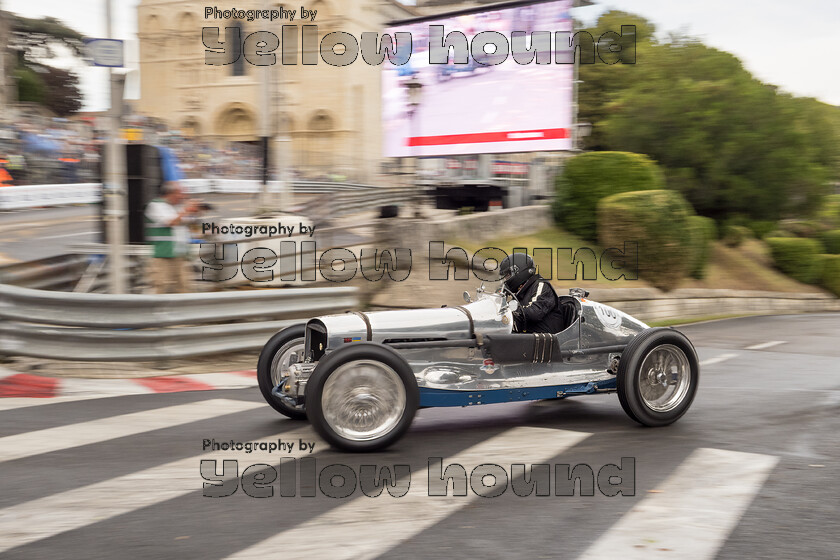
733,235
831,273
656,220
702,231
829,213
831,240
760,228
590,177
797,257
802,228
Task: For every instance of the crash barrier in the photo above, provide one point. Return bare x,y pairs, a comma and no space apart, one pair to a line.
36,196
650,304
61,272
107,327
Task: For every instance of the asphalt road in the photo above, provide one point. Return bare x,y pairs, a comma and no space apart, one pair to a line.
28,235
750,472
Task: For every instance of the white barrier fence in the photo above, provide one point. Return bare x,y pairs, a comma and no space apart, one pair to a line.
35,196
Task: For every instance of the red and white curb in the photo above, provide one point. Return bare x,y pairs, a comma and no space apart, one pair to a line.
25,385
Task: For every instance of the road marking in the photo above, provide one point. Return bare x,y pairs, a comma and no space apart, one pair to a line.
694,512
76,386
69,234
230,380
370,527
48,516
718,359
84,433
764,345
12,403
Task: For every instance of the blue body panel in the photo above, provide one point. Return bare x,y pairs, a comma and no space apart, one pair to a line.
448,397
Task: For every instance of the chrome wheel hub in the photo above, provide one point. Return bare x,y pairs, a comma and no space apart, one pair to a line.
280,363
665,378
363,400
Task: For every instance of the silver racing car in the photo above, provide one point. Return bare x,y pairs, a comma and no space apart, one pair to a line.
360,377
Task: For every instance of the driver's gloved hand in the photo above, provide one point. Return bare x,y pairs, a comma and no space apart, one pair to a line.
518,319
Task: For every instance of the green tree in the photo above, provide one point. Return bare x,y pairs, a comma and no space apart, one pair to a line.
35,41
729,143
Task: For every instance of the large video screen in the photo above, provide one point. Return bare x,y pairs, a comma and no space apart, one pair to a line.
474,108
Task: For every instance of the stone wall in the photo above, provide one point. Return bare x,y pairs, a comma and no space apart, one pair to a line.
650,304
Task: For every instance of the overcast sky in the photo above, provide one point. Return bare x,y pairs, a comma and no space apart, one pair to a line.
789,44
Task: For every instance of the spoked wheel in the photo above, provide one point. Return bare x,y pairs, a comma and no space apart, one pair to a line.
362,397
657,377
273,368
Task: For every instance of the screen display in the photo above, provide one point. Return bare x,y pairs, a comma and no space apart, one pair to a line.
446,109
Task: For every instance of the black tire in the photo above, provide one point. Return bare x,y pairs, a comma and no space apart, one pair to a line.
277,345
634,385
340,362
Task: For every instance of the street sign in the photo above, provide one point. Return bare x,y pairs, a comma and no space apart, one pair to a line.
104,52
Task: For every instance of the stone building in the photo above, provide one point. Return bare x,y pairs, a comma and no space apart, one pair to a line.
324,119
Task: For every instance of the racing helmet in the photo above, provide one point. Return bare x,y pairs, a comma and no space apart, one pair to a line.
516,269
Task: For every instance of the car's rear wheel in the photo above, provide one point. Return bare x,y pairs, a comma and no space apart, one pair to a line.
362,397
273,368
658,376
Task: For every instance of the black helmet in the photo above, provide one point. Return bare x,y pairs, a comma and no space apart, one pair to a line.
516,269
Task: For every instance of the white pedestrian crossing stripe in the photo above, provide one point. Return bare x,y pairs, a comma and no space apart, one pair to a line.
718,359
693,511
27,444
367,528
765,345
45,517
699,504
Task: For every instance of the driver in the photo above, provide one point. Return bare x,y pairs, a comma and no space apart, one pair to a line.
537,299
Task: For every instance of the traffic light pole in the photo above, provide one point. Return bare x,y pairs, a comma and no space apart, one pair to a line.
113,188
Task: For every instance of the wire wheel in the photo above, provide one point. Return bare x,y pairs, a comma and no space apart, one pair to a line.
273,370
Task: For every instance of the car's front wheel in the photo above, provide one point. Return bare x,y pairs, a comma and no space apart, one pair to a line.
658,376
362,397
273,368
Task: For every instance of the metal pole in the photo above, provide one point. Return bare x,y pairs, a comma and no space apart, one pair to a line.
265,128
114,180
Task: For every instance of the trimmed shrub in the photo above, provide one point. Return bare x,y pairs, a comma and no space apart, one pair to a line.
733,236
801,228
760,228
831,273
656,220
702,232
829,213
779,233
590,177
831,240
797,257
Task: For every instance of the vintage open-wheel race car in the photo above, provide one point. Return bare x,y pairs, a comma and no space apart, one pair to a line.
360,377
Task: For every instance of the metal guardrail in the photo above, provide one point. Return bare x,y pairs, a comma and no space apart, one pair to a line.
108,327
53,273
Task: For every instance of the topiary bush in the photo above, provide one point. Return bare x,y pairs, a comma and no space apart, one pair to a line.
590,177
657,221
760,228
831,241
733,235
831,273
797,257
702,231
828,215
802,228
